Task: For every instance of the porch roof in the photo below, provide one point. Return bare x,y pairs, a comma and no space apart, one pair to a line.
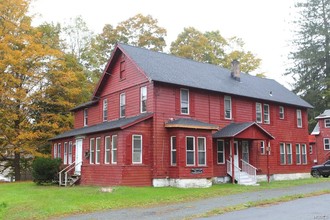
105,126
190,123
234,129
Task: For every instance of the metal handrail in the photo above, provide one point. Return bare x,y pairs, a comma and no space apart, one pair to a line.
236,168
249,169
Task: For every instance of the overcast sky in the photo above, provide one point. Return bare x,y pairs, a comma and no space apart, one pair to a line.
265,26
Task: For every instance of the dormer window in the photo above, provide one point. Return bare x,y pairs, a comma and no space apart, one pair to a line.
85,117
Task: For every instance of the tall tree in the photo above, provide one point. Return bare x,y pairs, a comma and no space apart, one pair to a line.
211,47
31,67
311,55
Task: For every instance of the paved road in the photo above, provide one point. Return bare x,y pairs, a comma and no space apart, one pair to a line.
184,210
312,208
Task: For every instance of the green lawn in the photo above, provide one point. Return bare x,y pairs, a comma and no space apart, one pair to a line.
29,201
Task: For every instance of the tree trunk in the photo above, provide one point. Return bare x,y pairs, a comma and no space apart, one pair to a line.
17,168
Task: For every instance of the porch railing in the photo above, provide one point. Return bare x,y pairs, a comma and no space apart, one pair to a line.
66,170
237,171
250,170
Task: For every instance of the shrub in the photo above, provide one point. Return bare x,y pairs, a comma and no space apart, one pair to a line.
45,170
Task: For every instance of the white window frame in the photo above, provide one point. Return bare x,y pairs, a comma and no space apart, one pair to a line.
266,114
193,151
304,154
114,149
59,145
107,149
105,110
122,105
134,150
201,151
298,154
65,156
258,112
173,151
289,153
299,118
326,143
327,123
310,149
262,147
143,99
92,151
70,153
184,103
282,153
55,150
228,107
97,150
221,152
85,117
282,116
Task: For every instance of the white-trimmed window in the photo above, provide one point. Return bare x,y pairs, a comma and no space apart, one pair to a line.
281,109
310,149
289,154
143,99
55,150
282,154
262,147
98,150
201,142
258,112
85,116
327,123
299,118
228,107
137,149
65,156
114,149
326,142
70,153
122,109
184,101
105,109
190,150
107,143
266,114
92,151
220,151
304,153
173,151
298,154
59,150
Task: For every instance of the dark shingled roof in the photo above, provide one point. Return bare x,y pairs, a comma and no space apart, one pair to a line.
167,68
84,105
190,123
234,129
105,126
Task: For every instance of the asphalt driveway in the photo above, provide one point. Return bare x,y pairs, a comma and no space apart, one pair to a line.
185,210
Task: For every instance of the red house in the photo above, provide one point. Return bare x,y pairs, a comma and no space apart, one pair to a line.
320,146
156,119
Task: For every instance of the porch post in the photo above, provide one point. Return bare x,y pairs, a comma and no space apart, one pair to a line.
267,152
231,142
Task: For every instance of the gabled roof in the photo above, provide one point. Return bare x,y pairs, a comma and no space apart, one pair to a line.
234,129
190,123
316,130
325,114
105,126
84,105
167,68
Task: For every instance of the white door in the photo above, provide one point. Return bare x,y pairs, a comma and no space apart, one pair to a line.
78,156
236,162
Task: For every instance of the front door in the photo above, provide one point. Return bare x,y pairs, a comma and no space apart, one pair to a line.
78,156
236,162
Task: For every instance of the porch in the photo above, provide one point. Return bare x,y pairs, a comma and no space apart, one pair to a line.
240,140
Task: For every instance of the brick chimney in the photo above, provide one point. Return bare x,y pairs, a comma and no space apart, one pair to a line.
235,70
